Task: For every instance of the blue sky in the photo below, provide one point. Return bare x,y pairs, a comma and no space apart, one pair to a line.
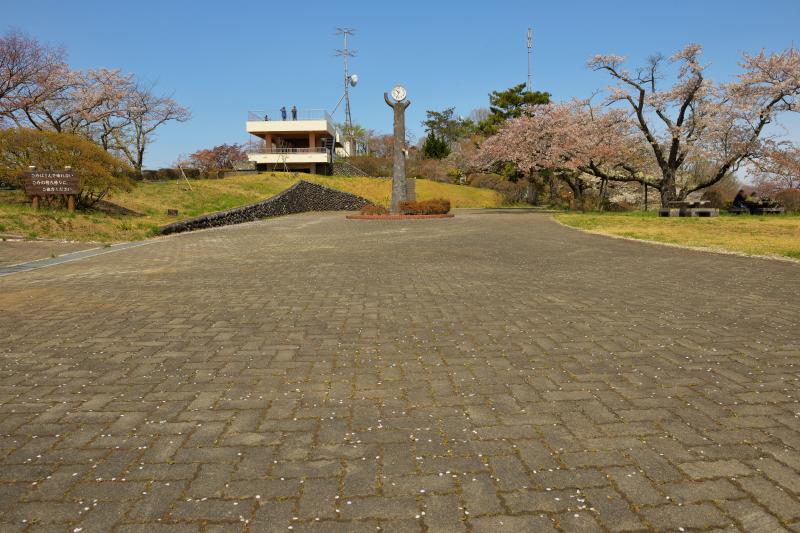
223,59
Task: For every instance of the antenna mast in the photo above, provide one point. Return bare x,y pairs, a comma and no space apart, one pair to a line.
530,47
347,53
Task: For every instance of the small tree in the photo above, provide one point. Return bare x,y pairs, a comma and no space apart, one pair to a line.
99,172
446,126
142,114
221,157
435,147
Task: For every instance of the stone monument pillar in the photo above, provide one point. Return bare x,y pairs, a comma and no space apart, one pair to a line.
400,186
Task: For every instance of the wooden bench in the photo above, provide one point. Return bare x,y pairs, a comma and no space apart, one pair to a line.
767,210
689,209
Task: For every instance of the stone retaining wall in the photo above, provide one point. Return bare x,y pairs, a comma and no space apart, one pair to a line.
299,198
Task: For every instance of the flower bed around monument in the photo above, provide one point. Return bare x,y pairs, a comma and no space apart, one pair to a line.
398,217
436,208
372,209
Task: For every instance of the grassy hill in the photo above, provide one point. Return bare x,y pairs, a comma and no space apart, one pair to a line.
206,196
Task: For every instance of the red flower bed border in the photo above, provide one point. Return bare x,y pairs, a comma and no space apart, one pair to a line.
397,217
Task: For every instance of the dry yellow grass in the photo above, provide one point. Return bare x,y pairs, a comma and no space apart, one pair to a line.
379,191
206,196
776,235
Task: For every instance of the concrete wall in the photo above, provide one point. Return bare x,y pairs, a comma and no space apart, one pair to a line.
277,159
299,198
289,126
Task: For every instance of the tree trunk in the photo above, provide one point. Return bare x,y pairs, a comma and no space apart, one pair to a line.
668,191
577,193
532,195
667,196
602,196
579,199
553,189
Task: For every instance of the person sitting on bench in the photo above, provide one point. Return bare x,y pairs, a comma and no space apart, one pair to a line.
740,202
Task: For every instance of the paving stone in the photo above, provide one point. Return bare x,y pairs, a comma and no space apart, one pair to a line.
774,498
511,523
418,484
697,491
274,516
297,364
396,507
752,518
534,501
211,510
480,495
159,499
578,522
686,516
612,510
713,469
444,513
319,498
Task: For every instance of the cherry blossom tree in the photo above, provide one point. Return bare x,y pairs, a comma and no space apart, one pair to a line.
143,112
698,120
27,69
221,157
570,141
75,102
39,90
778,169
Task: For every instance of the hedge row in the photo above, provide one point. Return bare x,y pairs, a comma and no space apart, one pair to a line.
437,206
165,174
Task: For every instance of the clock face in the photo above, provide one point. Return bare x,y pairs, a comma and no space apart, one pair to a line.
399,93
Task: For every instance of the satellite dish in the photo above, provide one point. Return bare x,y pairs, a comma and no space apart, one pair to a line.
353,80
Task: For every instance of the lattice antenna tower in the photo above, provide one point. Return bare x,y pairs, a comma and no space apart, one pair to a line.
347,53
530,50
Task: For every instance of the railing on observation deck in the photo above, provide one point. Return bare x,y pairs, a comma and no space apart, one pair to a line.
274,115
258,148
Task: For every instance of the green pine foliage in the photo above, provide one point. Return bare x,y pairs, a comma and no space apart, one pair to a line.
435,147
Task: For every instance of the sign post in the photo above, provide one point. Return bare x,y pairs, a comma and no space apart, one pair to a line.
51,183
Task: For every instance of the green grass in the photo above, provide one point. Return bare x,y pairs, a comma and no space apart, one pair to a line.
205,196
770,235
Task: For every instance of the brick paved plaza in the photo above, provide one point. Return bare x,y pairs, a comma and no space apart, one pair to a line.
493,372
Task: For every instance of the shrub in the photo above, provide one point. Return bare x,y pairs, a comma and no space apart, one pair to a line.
437,206
372,209
192,173
789,199
98,171
168,174
512,192
620,206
